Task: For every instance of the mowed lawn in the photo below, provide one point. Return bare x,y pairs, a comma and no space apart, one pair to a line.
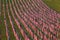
54,4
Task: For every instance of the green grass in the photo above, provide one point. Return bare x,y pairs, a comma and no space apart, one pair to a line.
2,25
11,34
16,27
54,4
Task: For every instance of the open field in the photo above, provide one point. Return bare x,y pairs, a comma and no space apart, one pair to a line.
28,20
54,4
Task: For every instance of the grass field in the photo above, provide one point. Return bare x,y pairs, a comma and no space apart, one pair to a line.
27,20
54,4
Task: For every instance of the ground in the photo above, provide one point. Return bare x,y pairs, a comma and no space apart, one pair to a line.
54,4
